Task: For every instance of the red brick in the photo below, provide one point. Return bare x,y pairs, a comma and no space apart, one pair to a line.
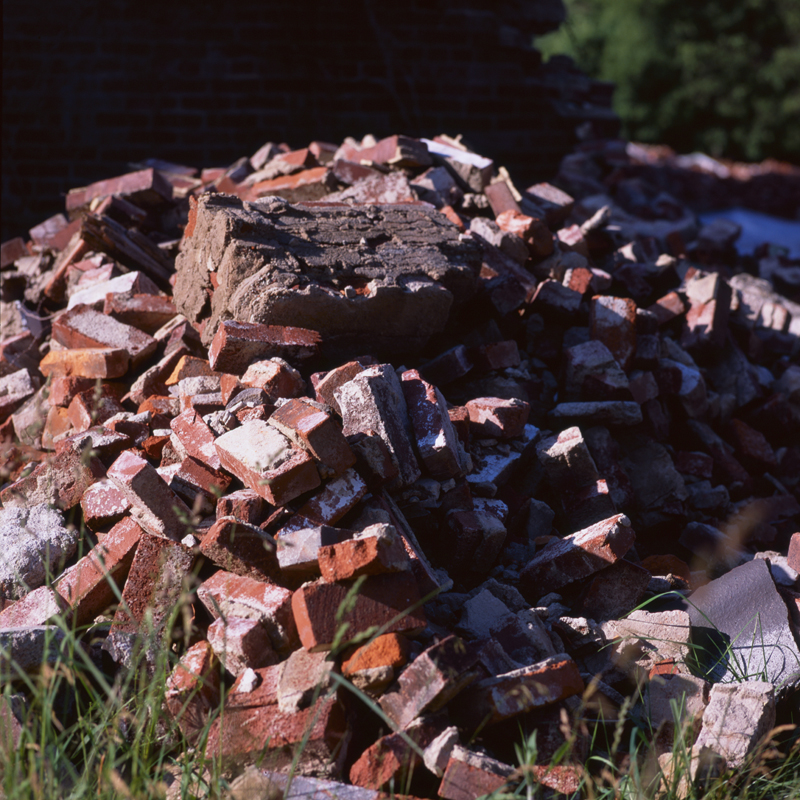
241,644
532,231
318,735
86,586
310,184
244,504
241,549
373,400
237,344
156,584
373,459
103,504
151,381
667,308
197,484
275,378
63,389
495,417
397,151
193,689
579,279
752,445
145,312
229,386
339,496
104,443
427,580
471,775
577,556
196,438
453,216
60,481
202,404
147,187
189,367
613,322
265,461
155,506
56,426
615,591
572,240
263,691
379,600
390,760
387,650
82,326
88,362
15,388
366,554
228,595
11,250
55,288
698,465
316,432
299,542
555,203
92,407
160,404
501,198
35,608
436,440
494,699
706,324
432,679
19,352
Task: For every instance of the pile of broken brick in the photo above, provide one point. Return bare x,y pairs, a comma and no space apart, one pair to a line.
392,428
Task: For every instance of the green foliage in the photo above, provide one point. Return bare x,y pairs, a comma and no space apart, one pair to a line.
721,76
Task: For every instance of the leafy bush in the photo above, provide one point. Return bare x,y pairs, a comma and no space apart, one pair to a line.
720,76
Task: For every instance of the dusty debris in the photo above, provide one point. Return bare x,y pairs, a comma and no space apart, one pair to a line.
393,420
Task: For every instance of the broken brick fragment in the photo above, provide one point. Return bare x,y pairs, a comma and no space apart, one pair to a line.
225,594
241,644
88,362
193,689
82,327
314,430
88,586
377,549
155,506
241,548
389,602
494,699
237,344
435,677
495,417
155,586
470,775
577,556
434,435
613,322
267,462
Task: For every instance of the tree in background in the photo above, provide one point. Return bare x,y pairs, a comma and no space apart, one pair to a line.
720,76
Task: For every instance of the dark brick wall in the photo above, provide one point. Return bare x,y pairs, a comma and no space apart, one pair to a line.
89,87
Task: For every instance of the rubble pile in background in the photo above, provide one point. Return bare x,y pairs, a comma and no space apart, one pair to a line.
389,420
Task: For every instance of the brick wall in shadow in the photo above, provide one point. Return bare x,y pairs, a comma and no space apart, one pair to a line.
90,87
